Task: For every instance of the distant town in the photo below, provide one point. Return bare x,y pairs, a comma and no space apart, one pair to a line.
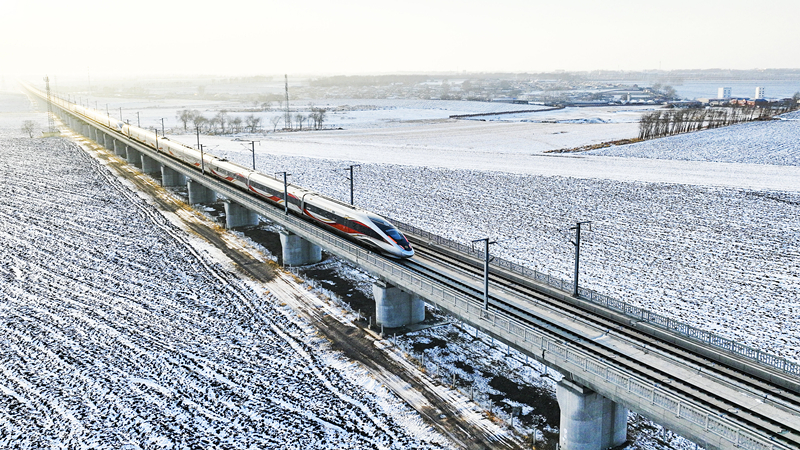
594,88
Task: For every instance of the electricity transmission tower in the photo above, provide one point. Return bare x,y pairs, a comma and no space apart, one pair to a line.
288,119
51,129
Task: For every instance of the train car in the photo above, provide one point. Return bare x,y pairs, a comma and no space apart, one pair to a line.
351,222
355,224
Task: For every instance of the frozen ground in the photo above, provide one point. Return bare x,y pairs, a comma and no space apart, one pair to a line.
514,148
701,254
415,126
117,331
694,248
773,142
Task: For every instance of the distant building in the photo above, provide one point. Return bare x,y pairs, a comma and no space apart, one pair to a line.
724,92
759,93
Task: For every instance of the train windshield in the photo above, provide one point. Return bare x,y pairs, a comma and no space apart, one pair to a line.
392,232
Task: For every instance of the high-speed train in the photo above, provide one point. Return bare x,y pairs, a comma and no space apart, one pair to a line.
356,224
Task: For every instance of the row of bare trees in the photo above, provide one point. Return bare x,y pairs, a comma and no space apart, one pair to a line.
222,123
316,119
666,123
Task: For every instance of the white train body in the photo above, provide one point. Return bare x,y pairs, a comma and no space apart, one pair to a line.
358,225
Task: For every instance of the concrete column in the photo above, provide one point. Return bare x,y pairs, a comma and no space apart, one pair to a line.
199,193
589,421
134,157
149,165
298,251
119,148
171,177
395,308
237,215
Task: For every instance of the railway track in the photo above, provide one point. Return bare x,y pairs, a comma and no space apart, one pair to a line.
783,423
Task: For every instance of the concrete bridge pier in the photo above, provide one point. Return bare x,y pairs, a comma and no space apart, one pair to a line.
171,177
199,193
298,251
150,165
120,149
237,215
134,157
395,308
589,421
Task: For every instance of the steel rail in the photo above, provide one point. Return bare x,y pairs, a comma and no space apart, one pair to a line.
632,311
722,403
783,394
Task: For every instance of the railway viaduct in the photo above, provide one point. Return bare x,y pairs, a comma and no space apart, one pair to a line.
614,357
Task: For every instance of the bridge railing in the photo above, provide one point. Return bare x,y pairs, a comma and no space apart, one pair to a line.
614,304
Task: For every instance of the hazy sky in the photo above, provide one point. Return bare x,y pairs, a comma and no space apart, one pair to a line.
113,37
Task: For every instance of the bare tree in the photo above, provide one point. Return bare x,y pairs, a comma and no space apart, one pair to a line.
275,121
318,115
185,116
252,123
300,118
29,126
236,124
198,120
222,119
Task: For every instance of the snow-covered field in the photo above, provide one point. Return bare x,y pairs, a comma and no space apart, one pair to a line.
408,124
711,243
119,331
713,257
775,142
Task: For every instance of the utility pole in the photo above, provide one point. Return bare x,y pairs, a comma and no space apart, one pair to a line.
162,127
155,130
288,119
253,148
485,270
202,160
138,122
120,113
198,136
285,194
577,244
351,181
107,113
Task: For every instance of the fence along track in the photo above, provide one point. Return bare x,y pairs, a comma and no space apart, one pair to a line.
632,311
